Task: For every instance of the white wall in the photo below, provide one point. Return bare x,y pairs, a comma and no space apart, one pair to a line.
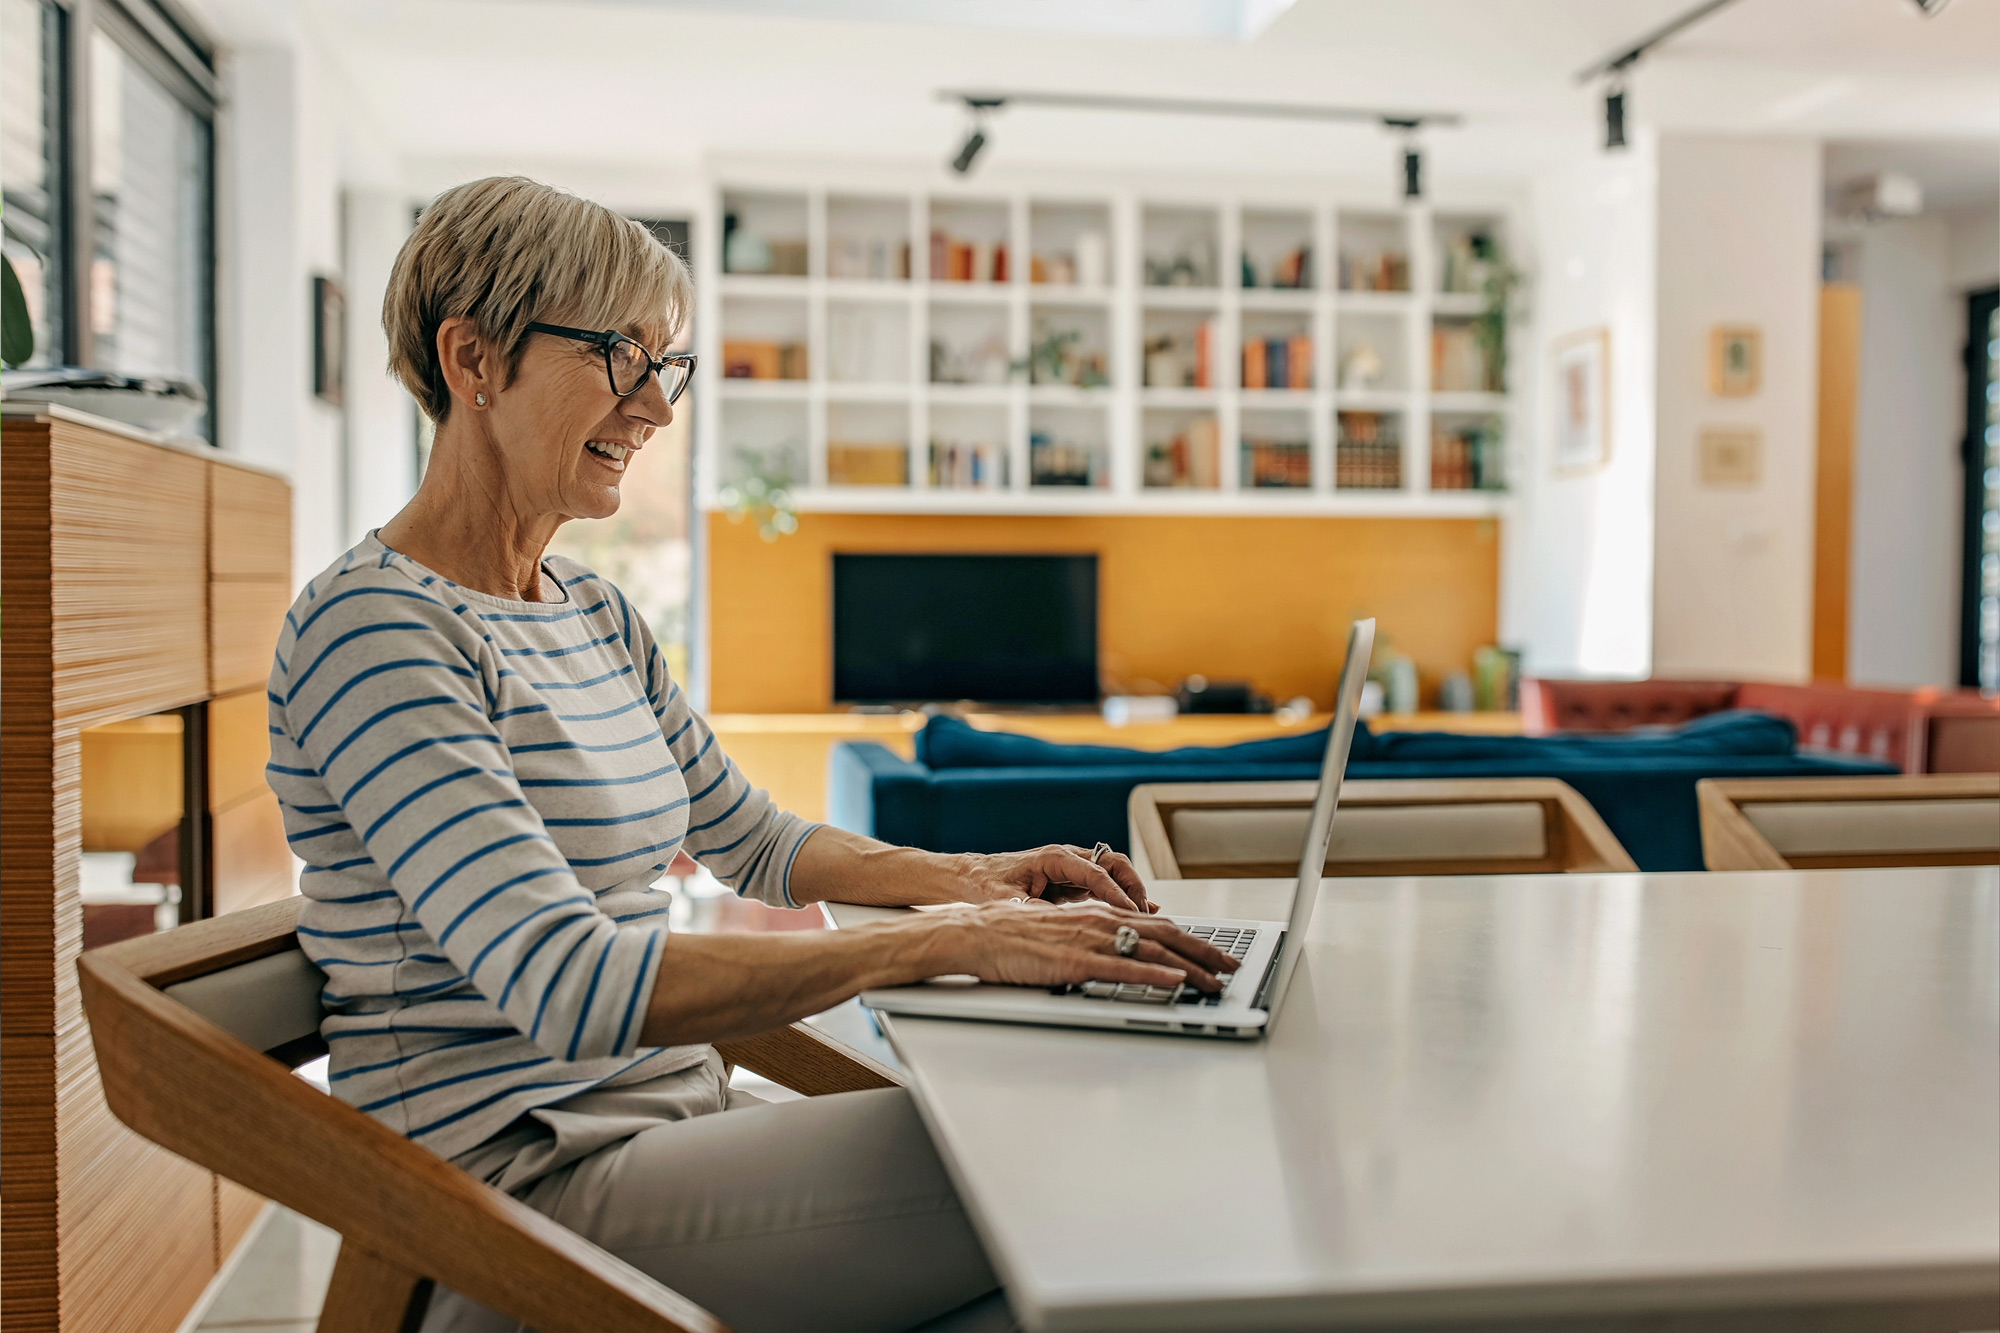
381,417
1739,243
1908,481
1577,574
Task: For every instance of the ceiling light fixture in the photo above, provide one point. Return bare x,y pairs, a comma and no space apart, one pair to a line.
1930,8
1413,158
1614,67
975,138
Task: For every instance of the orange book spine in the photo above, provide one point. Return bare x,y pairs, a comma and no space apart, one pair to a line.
1253,364
1299,362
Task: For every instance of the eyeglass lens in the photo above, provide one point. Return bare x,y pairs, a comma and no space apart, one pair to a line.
630,363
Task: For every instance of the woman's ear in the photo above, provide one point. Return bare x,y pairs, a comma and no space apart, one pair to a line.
467,361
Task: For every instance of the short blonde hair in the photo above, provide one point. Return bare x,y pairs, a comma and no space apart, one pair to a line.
507,251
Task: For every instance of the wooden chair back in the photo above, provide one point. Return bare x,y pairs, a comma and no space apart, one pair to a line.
1460,826
1946,819
197,1032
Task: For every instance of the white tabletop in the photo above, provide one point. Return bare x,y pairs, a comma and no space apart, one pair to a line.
1512,1095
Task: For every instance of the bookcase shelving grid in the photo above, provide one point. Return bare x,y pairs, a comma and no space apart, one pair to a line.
881,371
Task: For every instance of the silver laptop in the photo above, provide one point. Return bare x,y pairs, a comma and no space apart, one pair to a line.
1268,950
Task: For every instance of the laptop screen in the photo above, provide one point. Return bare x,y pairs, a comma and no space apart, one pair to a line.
1319,832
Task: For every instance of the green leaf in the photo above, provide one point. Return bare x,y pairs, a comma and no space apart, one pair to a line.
17,332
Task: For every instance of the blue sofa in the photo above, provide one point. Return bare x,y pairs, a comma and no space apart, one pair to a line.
969,790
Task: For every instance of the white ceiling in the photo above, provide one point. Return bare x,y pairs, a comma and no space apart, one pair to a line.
653,83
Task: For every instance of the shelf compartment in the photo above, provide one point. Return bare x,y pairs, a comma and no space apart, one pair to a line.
1459,362
1469,246
1181,349
1368,451
764,232
868,237
968,447
968,343
764,338
1070,245
1374,252
1277,351
1277,251
867,342
1371,352
1468,452
1068,448
867,444
1180,246
1275,450
766,437
1183,449
1069,345
969,242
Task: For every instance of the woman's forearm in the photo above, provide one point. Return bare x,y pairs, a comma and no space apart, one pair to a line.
835,865
714,987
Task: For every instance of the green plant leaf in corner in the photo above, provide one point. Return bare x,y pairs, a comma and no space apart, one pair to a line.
17,331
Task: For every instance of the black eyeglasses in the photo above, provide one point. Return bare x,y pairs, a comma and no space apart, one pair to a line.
627,363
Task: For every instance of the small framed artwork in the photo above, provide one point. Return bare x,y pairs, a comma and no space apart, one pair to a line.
329,341
1735,360
1582,364
1732,456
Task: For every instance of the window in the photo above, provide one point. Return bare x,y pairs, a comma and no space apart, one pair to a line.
31,164
107,163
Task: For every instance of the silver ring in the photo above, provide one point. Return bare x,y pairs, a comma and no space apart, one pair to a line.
1099,852
1125,941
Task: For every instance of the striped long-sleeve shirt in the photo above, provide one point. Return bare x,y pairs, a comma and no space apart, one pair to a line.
483,790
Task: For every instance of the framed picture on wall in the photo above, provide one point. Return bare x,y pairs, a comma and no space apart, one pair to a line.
329,341
1582,398
1735,360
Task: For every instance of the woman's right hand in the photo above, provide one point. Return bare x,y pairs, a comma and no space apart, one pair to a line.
1032,943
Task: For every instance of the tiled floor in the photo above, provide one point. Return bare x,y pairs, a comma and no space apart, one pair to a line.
279,1280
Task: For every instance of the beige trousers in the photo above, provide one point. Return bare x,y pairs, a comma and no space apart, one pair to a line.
827,1214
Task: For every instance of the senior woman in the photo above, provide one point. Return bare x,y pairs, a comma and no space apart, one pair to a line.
485,766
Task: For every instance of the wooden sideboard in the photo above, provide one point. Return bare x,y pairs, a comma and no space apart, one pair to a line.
136,577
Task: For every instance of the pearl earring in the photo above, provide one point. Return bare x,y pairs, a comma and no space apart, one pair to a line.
479,400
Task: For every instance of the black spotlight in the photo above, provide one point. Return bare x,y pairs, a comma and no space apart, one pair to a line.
970,151
1614,116
1413,172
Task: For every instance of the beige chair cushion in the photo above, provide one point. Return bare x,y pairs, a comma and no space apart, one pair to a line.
263,1003
1854,828
1499,830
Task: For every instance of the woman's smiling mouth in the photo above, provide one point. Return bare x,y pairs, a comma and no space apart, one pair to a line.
609,452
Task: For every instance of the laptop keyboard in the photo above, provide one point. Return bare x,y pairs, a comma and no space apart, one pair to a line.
1232,940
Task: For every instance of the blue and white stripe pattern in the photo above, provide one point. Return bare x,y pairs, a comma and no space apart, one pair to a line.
483,790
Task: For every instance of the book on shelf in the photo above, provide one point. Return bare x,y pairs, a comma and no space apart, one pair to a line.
761,359
1467,457
956,260
859,464
1190,458
1458,362
961,466
1277,363
1277,464
1369,453
876,259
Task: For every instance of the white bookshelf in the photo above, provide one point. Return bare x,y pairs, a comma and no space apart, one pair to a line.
857,328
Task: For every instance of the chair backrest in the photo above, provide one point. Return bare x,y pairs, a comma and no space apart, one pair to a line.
1253,830
181,1022
1825,823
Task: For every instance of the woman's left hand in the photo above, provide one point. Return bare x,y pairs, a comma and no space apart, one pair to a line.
1056,873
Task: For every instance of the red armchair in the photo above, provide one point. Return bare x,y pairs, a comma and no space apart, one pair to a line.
1919,731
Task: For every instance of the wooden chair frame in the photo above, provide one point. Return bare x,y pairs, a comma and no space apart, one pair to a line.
1575,837
1729,841
407,1218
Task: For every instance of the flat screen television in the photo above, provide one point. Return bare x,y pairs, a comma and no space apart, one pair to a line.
1000,629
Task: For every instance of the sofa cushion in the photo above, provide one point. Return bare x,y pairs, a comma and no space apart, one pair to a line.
946,742
1732,733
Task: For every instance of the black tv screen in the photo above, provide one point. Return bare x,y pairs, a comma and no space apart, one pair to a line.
1003,629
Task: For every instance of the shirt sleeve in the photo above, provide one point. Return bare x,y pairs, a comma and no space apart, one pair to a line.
734,829
385,699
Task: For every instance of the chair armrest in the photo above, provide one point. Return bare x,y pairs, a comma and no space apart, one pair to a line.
808,1062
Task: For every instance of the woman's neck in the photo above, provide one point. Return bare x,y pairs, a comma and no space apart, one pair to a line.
463,525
